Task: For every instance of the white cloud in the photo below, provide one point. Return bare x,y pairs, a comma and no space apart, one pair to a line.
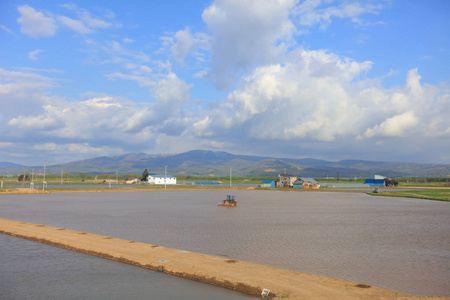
33,55
5,144
317,97
245,34
394,126
76,148
104,102
186,43
121,55
201,74
109,119
45,147
143,81
3,27
200,127
286,99
37,24
306,98
85,23
40,122
94,22
145,69
172,92
75,25
34,23
21,93
312,12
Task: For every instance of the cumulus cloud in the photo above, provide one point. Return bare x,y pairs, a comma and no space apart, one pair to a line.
318,97
394,126
112,120
34,23
172,92
40,122
303,99
285,99
245,34
22,93
186,42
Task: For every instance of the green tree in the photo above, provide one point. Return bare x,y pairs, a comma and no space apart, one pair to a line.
144,175
27,177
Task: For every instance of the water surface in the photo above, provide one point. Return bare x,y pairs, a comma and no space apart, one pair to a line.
395,243
30,270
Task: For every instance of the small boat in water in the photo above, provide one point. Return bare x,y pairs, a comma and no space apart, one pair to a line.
229,202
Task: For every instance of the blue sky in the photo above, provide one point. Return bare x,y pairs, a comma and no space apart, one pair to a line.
317,78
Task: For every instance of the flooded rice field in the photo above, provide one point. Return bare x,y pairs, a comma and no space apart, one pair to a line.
395,243
32,270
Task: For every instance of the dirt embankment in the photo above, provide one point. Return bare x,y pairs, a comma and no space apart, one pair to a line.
22,191
233,274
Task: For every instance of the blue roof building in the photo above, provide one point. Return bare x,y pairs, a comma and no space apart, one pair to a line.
374,182
206,182
268,183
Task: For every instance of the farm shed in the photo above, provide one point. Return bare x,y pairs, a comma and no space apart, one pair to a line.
286,180
268,183
132,181
161,179
306,182
374,182
206,183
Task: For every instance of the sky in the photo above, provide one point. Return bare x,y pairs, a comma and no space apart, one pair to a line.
326,79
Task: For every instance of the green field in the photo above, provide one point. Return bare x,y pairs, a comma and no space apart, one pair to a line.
441,195
92,179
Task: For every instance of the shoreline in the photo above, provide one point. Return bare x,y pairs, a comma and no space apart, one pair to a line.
386,192
225,272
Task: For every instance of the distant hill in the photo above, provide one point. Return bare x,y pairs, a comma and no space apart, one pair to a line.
7,168
4,164
199,162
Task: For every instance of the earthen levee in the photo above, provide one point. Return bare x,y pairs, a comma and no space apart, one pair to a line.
237,275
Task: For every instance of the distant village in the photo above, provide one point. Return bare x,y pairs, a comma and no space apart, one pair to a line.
284,181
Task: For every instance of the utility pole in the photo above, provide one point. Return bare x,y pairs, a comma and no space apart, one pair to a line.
230,178
165,178
43,183
24,175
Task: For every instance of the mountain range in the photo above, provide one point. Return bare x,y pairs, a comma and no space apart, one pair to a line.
216,163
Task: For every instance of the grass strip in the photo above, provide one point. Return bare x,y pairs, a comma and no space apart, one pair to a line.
439,195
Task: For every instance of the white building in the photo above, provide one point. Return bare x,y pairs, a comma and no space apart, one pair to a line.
132,181
160,179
